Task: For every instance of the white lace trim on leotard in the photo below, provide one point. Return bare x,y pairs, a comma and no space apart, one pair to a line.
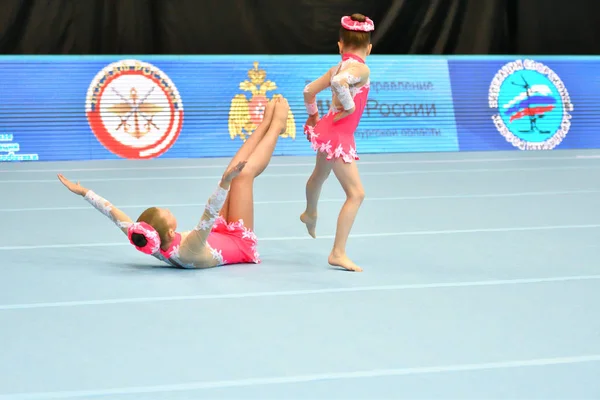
340,85
105,207
213,208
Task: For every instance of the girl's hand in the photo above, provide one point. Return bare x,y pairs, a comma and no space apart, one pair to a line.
312,120
343,114
231,174
73,187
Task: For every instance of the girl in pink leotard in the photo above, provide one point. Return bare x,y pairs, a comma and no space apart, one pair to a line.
225,233
332,137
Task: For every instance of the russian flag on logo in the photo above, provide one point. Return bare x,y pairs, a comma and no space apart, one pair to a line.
537,100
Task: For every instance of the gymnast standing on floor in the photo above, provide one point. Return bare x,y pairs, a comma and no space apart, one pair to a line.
225,233
332,137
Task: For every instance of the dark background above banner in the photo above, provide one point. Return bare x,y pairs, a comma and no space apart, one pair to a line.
297,27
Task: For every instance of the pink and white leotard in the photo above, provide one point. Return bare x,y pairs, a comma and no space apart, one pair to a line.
213,241
228,243
336,139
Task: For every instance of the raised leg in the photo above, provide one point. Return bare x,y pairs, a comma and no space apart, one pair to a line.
349,178
241,193
248,147
313,192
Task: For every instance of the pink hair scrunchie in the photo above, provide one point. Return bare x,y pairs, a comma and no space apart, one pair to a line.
351,25
152,238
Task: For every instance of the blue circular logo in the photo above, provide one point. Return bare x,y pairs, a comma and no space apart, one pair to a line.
532,105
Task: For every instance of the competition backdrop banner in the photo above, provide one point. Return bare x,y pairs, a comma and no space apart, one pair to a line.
526,103
108,107
140,107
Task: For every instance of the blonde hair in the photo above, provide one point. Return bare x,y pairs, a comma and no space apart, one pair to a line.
152,217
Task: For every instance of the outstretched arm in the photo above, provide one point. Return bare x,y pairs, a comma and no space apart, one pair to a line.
99,203
195,241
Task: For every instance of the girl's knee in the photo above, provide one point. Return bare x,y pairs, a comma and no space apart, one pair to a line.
357,195
248,174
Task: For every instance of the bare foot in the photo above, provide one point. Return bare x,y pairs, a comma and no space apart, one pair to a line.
269,109
311,224
282,109
280,114
344,262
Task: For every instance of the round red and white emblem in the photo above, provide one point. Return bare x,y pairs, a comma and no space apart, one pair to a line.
134,109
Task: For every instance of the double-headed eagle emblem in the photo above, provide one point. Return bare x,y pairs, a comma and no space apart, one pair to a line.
245,115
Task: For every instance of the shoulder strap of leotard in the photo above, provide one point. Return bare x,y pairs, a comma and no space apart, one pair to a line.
348,56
